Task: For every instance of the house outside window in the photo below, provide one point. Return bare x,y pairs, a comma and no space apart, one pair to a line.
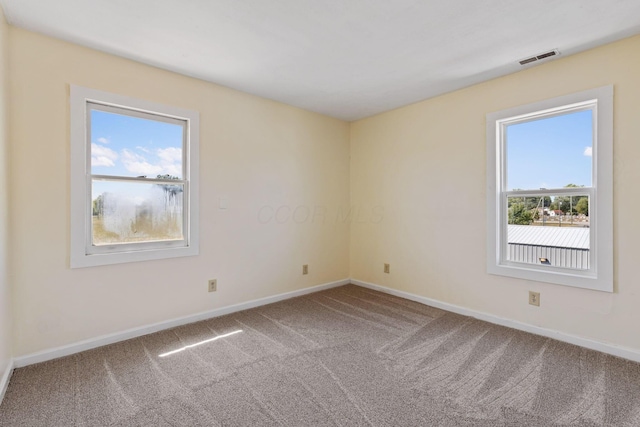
134,179
549,191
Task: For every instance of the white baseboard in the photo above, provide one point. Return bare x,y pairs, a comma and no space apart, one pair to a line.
43,356
4,380
614,350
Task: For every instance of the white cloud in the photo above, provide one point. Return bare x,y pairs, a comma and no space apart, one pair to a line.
173,170
588,151
102,156
170,155
171,160
151,163
138,165
103,140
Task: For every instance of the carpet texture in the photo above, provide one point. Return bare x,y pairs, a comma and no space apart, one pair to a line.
347,356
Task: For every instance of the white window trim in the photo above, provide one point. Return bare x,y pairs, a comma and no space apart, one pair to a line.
80,225
600,275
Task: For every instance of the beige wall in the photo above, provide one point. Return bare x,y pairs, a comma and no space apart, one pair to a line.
254,152
425,165
5,294
417,183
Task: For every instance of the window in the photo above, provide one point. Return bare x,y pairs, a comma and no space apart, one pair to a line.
549,191
134,186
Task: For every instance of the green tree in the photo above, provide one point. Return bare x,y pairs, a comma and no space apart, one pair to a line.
98,206
569,204
564,204
518,214
547,202
582,207
531,202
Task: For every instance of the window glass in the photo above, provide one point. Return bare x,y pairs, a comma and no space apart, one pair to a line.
124,145
127,144
125,212
549,231
550,152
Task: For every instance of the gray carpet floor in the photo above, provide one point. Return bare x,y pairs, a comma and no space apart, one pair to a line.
347,356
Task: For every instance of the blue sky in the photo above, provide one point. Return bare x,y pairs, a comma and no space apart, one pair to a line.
130,146
551,152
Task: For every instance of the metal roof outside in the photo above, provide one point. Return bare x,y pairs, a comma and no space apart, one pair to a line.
561,237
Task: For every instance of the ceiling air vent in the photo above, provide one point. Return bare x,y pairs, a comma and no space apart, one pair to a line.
539,57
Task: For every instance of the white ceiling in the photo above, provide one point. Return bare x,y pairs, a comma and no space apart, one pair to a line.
345,58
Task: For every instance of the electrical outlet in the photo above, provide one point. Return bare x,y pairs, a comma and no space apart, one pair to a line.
213,285
534,298
386,268
305,269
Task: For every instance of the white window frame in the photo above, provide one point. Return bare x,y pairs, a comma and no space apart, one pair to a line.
83,253
600,274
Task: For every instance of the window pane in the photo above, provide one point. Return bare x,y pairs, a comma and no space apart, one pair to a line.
123,145
548,230
130,212
552,152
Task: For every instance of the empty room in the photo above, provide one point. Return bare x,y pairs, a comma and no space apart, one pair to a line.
309,213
